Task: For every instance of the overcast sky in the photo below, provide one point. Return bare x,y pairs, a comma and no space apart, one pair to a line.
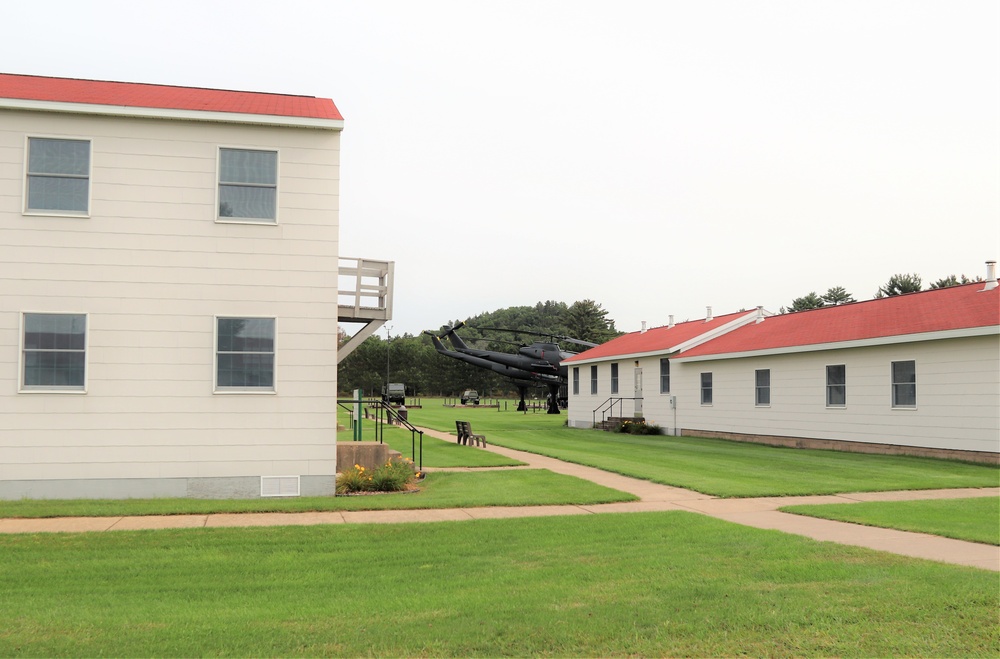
656,157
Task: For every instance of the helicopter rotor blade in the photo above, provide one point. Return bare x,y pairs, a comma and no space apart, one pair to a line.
489,340
559,337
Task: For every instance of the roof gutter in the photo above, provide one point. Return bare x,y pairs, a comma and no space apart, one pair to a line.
167,113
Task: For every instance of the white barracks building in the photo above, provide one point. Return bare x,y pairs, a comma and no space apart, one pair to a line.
916,374
168,291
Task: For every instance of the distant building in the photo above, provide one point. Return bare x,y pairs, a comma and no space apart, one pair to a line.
917,373
168,291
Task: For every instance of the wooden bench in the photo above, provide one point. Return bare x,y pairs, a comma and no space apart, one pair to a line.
466,436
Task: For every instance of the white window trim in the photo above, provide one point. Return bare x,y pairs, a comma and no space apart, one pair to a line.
21,389
757,387
892,387
826,388
241,391
701,389
614,377
24,180
263,221
660,377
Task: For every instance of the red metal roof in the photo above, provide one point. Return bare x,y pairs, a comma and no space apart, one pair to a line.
656,339
954,308
129,94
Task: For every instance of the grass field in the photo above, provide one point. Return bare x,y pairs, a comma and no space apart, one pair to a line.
712,466
645,584
521,487
975,520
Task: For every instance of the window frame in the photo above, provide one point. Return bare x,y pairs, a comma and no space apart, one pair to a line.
593,380
759,388
219,183
706,388
273,389
26,189
829,387
23,388
894,385
664,377
576,380
614,377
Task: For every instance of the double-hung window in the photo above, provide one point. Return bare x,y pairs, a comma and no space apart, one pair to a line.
614,378
664,376
248,185
54,352
244,358
58,176
593,380
576,380
904,384
762,387
706,388
836,386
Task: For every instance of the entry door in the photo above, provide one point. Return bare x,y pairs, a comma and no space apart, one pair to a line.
638,392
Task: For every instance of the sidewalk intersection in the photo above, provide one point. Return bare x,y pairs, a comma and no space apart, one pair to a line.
756,512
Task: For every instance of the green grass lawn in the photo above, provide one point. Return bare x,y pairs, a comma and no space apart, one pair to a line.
975,520
712,466
519,487
645,584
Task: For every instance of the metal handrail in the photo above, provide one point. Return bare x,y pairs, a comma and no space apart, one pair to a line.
385,414
607,408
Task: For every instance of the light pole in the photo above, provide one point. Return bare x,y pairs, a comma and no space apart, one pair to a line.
387,330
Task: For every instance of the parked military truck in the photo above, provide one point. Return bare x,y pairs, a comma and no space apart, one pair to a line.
394,393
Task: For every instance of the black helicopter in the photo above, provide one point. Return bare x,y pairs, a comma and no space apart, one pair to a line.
537,364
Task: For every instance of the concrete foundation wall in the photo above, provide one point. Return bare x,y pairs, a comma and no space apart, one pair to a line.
850,447
242,487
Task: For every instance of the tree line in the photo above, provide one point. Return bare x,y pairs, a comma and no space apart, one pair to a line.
898,284
413,361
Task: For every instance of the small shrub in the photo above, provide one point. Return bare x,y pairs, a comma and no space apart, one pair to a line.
638,428
393,476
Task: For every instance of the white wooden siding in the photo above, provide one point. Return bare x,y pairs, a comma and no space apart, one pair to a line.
958,396
153,269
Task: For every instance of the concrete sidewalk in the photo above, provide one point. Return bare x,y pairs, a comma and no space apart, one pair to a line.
756,512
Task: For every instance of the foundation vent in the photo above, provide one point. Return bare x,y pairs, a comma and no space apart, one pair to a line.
279,486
